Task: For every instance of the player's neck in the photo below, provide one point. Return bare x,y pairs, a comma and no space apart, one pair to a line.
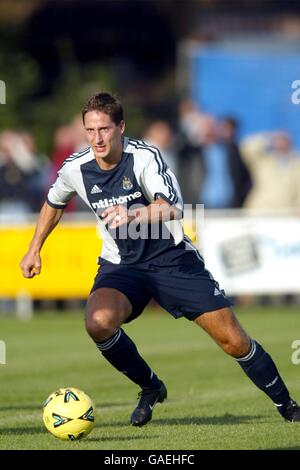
109,163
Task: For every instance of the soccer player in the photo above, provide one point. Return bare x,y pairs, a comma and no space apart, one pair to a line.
138,204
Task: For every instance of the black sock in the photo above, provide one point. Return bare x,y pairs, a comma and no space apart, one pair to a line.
122,353
260,368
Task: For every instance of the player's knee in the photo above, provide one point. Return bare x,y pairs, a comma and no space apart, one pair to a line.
101,324
236,346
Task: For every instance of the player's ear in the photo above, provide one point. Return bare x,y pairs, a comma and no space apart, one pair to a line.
122,127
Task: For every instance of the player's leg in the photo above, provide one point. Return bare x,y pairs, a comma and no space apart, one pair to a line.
224,328
186,289
107,309
197,296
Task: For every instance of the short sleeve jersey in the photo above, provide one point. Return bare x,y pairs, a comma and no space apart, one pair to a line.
140,178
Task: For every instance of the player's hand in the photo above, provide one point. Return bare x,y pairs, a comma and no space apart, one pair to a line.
31,264
116,216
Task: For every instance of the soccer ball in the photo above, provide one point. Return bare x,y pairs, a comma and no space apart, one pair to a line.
69,414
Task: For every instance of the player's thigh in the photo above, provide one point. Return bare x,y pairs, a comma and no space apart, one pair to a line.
223,326
108,308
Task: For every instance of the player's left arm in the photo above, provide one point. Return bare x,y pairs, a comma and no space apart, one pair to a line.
162,190
158,211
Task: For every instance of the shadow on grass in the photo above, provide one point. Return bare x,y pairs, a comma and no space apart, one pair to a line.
207,420
25,430
120,438
25,406
226,419
38,430
195,420
100,406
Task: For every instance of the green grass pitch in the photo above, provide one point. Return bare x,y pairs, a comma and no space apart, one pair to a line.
211,403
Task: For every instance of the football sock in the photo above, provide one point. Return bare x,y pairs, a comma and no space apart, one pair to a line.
260,368
122,353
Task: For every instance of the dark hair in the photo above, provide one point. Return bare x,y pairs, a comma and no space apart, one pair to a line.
105,103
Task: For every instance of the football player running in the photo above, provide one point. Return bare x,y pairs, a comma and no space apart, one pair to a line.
145,255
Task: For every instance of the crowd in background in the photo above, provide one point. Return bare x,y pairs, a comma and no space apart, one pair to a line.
214,167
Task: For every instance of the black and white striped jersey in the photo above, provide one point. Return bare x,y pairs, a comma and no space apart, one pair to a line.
140,177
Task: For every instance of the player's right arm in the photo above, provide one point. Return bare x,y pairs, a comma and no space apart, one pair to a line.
58,197
48,219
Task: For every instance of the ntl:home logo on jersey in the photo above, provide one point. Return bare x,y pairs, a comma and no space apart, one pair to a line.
2,92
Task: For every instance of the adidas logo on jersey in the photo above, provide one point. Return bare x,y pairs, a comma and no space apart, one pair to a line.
95,189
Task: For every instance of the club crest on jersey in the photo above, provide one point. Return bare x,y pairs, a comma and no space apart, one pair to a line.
127,184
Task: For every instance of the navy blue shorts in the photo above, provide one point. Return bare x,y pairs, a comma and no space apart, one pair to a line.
177,280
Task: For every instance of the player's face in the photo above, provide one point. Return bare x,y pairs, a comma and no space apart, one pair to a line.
104,136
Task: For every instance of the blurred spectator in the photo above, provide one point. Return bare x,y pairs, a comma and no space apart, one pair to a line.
191,122
240,175
21,174
63,148
160,134
226,179
275,170
67,140
78,134
190,140
217,190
